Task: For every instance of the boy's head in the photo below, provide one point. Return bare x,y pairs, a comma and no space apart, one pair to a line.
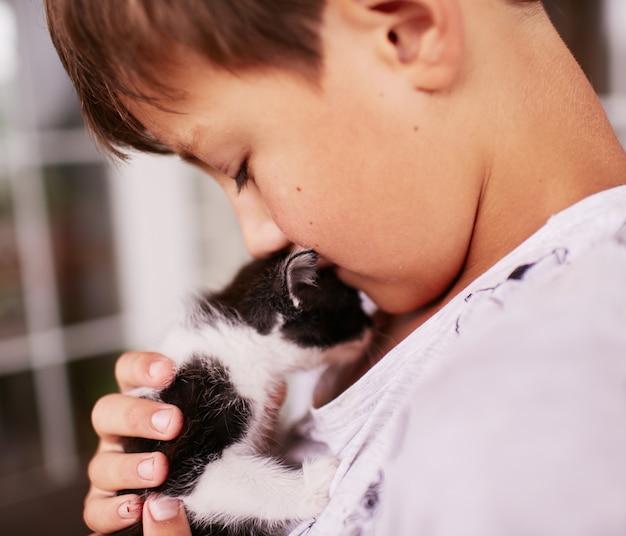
109,47
367,130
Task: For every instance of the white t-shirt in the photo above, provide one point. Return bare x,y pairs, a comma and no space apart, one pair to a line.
504,413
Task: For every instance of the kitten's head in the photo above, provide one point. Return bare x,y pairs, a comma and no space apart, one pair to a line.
309,305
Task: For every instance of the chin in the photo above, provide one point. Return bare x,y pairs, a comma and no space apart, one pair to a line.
391,297
394,306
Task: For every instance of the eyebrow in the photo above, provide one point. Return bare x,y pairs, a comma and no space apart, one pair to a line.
186,149
189,158
185,154
193,160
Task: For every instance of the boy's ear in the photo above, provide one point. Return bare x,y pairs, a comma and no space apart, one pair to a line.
423,38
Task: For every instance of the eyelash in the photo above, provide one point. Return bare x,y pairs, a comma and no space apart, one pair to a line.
243,176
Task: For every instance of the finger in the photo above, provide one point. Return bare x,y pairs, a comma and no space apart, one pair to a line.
164,516
105,513
143,369
121,415
114,471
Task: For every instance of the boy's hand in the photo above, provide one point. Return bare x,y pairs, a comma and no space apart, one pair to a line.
112,470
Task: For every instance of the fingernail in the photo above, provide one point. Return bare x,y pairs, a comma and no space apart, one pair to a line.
161,420
146,469
156,369
129,510
163,508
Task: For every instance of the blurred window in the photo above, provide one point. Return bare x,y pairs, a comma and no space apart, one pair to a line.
60,326
93,257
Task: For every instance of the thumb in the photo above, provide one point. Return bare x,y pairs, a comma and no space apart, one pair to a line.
165,516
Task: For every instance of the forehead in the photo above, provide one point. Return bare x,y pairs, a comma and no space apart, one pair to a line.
165,98
199,102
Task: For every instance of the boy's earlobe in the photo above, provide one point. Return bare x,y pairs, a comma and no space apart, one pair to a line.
425,39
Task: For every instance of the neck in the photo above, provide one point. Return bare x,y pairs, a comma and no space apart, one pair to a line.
551,145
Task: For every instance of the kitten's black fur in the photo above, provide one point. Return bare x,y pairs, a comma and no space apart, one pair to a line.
284,297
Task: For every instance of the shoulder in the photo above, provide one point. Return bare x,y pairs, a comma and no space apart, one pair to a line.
572,272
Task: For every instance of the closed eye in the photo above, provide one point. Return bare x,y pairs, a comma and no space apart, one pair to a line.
243,176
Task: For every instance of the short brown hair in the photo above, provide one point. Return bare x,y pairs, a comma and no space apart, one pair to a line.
104,45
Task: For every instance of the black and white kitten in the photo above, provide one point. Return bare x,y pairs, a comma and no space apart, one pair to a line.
232,352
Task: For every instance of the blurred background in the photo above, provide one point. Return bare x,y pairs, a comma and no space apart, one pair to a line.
95,256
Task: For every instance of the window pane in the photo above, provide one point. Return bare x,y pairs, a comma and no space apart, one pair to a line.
19,433
89,380
11,305
80,222
8,61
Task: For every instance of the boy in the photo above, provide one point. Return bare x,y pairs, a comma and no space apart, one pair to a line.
451,160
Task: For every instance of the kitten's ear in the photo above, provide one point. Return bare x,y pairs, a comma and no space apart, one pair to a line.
300,271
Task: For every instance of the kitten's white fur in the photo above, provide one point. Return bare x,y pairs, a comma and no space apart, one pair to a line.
242,484
272,493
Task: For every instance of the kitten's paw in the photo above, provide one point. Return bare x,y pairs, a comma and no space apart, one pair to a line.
318,475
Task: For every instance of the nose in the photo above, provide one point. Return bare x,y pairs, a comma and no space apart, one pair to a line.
261,235
262,238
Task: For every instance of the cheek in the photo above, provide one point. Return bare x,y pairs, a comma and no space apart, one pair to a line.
314,214
299,204
299,218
